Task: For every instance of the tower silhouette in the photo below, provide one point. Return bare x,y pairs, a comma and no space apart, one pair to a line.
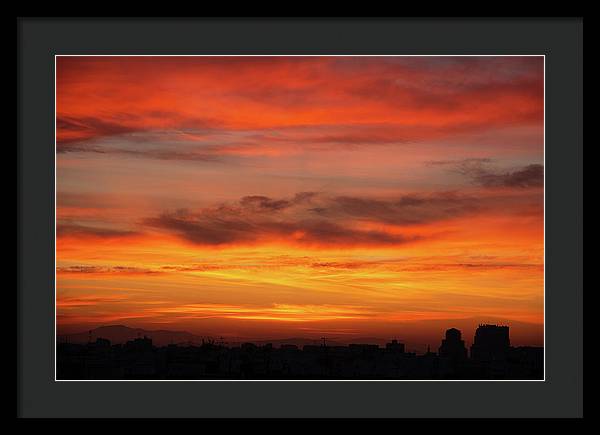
453,346
491,343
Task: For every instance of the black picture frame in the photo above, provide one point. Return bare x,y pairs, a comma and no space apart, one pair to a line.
560,40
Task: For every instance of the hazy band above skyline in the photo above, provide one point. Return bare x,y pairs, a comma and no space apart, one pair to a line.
265,197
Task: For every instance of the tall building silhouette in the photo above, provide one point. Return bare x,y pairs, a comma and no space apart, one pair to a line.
139,344
395,346
453,346
491,343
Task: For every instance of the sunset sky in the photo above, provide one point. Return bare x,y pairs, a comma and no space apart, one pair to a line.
274,197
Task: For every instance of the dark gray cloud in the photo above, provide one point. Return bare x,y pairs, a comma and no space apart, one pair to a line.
208,228
405,210
482,172
529,176
311,218
264,203
70,229
259,202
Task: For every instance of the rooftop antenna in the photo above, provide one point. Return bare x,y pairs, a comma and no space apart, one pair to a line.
324,338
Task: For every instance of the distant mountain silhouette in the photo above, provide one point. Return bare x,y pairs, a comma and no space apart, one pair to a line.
119,334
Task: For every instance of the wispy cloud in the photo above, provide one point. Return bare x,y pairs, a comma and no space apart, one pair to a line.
278,105
275,312
76,230
93,269
482,171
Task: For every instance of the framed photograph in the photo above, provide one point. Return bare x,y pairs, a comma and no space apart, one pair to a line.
373,231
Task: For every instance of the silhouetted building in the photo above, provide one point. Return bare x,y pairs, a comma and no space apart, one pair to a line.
102,342
394,346
363,348
491,343
453,346
249,347
139,344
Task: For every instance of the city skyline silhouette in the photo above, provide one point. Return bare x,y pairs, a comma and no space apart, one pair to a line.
120,333
339,201
491,356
